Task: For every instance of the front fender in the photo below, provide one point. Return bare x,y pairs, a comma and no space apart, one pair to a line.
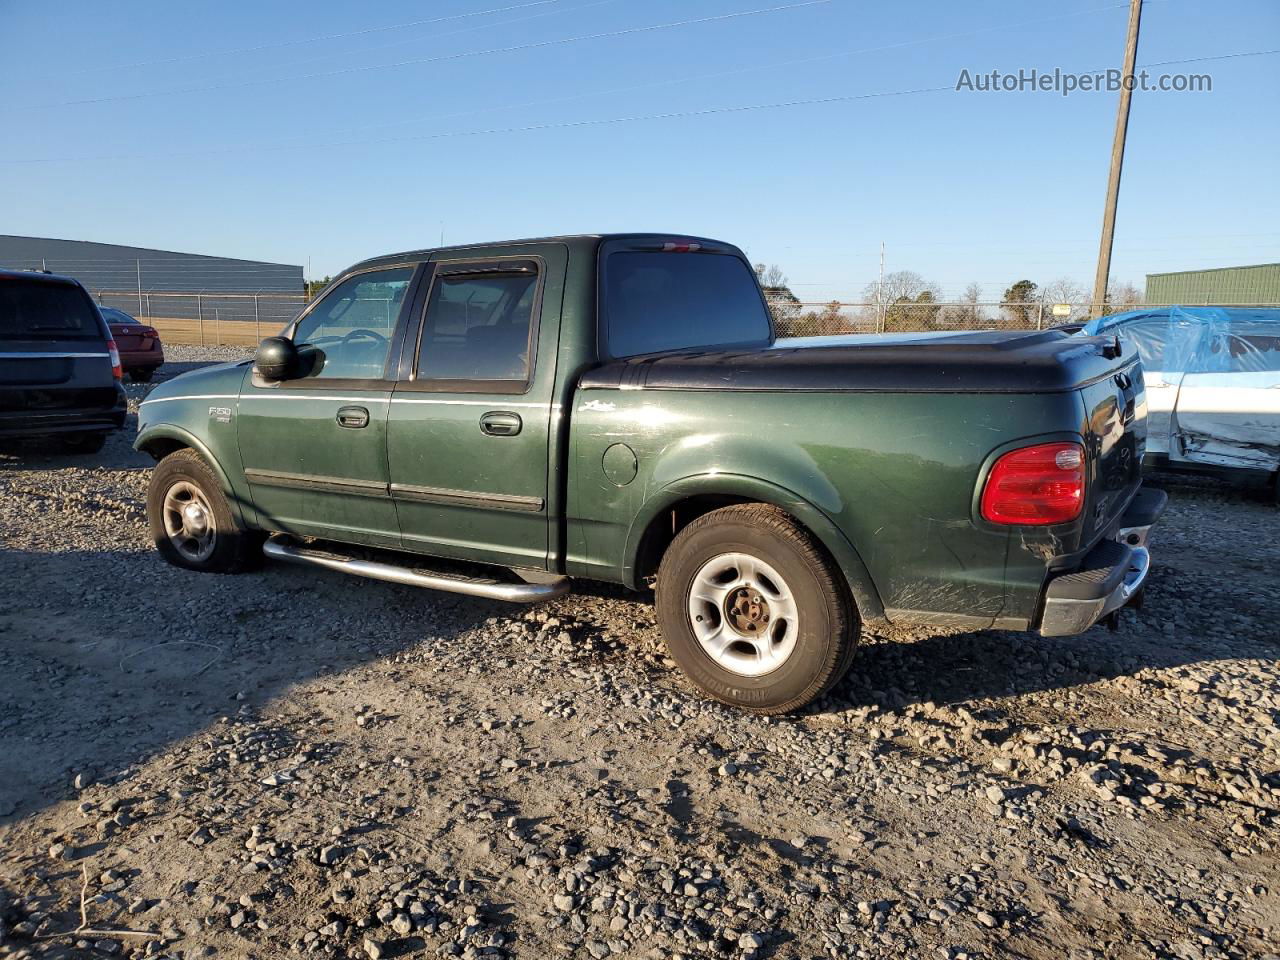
174,433
813,519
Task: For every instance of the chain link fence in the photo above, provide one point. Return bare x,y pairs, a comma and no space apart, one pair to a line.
794,318
209,319
244,319
226,316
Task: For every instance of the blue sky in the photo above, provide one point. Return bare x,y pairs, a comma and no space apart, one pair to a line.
324,153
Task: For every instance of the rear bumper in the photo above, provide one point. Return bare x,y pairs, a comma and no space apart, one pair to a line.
1110,577
43,423
135,359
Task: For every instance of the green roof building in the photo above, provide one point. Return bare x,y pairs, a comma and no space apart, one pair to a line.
1258,285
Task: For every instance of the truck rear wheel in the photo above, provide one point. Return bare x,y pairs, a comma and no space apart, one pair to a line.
191,522
753,610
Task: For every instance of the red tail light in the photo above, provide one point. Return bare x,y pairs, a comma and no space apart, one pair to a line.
1036,485
117,371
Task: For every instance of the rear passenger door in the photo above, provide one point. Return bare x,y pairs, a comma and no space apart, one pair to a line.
468,432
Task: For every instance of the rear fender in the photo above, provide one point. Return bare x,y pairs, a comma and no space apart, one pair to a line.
814,520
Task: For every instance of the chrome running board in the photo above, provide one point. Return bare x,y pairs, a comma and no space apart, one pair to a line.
280,548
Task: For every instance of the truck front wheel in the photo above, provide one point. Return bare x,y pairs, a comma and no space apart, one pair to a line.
753,610
191,521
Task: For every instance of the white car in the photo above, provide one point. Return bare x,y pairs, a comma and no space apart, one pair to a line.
1213,383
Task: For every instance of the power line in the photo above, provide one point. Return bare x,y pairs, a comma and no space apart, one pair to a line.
563,125
570,124
644,86
419,40
737,71
444,58
304,40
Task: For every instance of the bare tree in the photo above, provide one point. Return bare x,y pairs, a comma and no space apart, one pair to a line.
1065,290
783,304
966,315
771,276
901,285
1123,294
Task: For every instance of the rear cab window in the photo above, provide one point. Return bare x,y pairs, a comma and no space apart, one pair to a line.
35,309
676,296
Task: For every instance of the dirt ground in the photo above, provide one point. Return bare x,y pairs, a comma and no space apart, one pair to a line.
293,762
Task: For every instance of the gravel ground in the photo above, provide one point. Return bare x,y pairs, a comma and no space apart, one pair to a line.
288,762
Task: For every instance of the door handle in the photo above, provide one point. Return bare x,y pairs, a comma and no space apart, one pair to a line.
353,417
501,424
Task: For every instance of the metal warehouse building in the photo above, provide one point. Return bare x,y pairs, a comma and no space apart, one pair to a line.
1253,285
110,266
189,297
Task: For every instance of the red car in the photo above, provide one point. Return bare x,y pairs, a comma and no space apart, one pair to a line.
139,344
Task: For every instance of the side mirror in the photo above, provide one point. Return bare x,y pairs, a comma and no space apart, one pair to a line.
276,358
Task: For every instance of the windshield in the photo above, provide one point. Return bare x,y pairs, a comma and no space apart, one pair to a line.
40,310
672,301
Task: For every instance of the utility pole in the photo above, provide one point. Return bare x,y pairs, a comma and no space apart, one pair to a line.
880,285
1117,161
880,291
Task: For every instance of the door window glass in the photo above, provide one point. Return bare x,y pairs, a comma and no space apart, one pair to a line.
477,327
348,334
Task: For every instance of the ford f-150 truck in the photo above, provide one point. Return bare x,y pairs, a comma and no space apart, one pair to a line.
618,408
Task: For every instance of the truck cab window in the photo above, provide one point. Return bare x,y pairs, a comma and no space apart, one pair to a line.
477,327
656,302
350,330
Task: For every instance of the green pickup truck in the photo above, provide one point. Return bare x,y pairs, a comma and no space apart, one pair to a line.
497,419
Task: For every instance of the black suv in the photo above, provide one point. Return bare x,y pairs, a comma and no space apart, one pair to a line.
59,369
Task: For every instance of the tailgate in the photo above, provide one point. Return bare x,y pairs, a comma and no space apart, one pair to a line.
1115,432
46,376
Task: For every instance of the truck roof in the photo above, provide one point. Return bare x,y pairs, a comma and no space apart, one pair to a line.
581,240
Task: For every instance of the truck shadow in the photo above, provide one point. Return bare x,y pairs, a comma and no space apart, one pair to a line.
110,656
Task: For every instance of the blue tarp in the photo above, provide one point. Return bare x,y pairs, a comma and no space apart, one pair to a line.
1199,339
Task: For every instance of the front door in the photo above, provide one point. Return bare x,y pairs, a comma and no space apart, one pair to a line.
314,448
468,433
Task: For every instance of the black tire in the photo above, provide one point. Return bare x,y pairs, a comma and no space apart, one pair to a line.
82,442
142,374
827,621
233,548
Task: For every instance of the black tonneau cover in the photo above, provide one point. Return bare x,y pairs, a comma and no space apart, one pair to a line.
1049,361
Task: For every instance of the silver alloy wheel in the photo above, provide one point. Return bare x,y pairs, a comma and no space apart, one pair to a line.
188,521
743,614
